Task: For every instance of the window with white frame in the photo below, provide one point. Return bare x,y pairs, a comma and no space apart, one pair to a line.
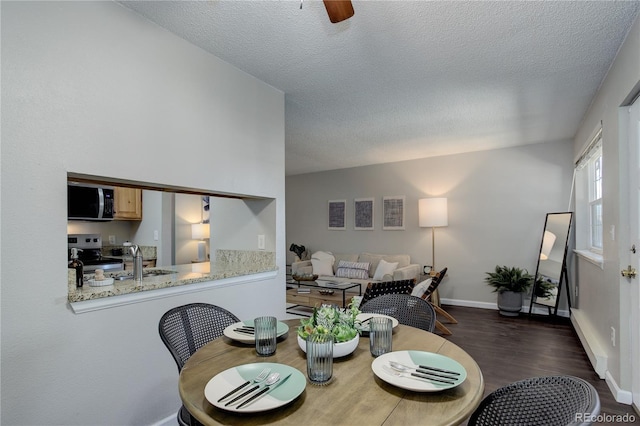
595,201
588,197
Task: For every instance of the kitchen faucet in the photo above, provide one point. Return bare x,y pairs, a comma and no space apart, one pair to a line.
137,262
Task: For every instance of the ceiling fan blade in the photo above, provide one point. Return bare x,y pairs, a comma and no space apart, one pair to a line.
338,10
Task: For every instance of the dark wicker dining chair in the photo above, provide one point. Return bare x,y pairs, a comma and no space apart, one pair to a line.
407,309
550,400
187,328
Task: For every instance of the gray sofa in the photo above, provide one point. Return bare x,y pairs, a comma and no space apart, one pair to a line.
404,271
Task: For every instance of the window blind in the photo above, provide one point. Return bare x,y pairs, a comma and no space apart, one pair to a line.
592,147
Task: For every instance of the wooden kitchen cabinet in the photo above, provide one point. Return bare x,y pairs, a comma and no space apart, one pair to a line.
128,204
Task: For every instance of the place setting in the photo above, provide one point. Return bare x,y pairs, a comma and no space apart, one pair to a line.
255,387
413,370
419,371
363,320
244,331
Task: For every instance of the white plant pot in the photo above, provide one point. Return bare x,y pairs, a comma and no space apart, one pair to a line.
339,349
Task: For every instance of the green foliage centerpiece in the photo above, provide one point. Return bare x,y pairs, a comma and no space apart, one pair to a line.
330,319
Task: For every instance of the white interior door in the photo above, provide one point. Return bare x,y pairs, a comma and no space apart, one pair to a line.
634,219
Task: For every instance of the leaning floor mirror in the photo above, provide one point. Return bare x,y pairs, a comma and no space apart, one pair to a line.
551,270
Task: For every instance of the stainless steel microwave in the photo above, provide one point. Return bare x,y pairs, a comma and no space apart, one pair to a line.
89,202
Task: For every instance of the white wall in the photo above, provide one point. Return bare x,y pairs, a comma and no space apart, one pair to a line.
604,294
152,221
497,201
188,211
90,87
236,224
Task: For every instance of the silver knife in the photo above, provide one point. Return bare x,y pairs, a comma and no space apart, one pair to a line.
235,390
432,373
426,367
434,379
265,390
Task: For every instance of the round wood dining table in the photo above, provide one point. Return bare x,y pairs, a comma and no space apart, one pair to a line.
355,395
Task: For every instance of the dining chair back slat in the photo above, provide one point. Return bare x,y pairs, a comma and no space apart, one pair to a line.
407,309
187,328
550,400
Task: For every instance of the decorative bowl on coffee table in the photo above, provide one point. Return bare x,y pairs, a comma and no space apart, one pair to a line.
305,277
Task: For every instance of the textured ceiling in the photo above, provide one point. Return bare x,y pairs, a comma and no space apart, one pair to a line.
402,80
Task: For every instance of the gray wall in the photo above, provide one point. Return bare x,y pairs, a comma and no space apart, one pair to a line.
605,299
497,202
92,88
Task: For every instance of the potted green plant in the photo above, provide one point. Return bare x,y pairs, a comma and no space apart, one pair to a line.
510,283
544,288
331,320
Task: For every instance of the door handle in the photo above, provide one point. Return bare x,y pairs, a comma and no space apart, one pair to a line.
629,272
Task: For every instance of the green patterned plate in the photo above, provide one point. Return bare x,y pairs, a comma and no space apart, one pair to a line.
227,380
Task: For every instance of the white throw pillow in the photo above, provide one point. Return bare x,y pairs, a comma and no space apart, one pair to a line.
384,268
324,255
322,263
419,289
322,267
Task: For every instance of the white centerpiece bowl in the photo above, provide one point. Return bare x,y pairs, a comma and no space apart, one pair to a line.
339,349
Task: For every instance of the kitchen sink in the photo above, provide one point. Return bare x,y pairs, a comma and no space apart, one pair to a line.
158,272
154,273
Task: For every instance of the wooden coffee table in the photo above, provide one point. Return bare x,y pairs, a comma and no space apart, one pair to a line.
315,297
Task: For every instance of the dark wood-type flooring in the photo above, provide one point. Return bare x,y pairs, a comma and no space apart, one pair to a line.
511,349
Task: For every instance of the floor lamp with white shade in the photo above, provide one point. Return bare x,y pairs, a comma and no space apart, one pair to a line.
432,213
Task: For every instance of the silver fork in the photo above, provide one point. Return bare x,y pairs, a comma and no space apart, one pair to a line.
438,372
273,377
259,378
415,376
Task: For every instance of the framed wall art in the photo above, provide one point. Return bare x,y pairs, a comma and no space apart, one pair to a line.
337,215
393,213
363,214
205,209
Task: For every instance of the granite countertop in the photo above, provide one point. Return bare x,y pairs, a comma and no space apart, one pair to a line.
126,257
229,263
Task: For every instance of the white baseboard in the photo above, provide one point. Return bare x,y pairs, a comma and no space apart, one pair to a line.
469,304
621,396
590,342
494,306
595,352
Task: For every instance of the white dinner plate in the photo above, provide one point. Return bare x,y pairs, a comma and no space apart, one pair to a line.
102,283
364,327
224,382
381,368
282,329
